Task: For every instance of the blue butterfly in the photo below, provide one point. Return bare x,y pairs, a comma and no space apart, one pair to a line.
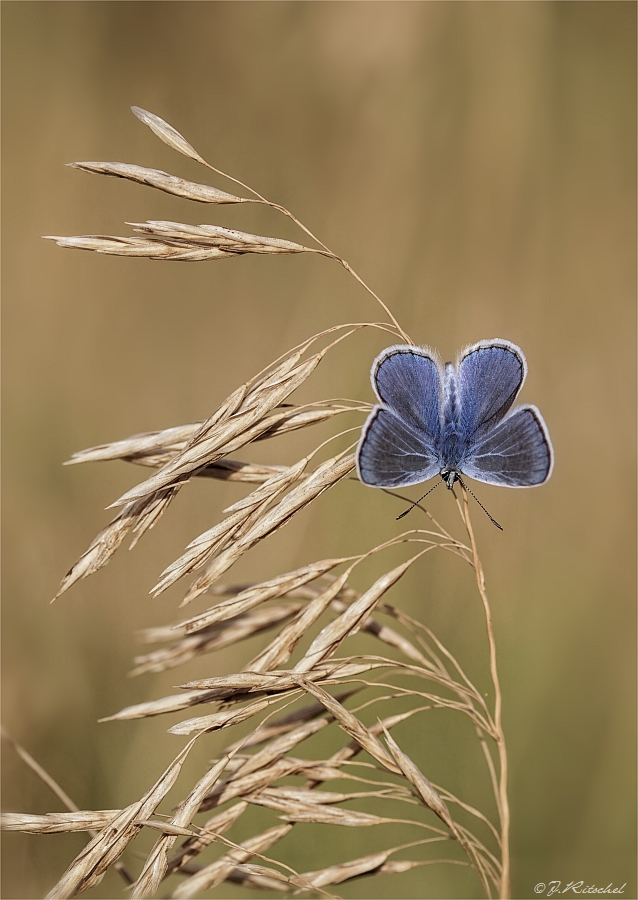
447,421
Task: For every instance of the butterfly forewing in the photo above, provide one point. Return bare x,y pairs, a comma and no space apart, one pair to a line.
407,380
490,375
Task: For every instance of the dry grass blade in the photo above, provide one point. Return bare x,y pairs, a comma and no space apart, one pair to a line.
257,594
171,184
217,872
82,820
327,642
89,866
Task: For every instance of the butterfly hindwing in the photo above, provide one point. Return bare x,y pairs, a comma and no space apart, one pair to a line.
517,452
392,454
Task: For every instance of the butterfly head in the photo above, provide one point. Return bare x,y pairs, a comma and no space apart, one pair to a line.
449,476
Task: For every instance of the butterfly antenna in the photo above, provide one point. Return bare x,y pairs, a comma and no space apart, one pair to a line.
416,502
465,487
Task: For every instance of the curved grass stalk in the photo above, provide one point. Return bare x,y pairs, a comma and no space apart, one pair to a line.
499,737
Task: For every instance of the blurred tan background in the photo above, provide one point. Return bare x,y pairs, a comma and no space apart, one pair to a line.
475,163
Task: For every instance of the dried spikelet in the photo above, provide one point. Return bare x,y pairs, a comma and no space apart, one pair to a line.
365,865
387,635
424,788
179,241
247,784
326,643
243,514
166,133
156,863
256,594
221,719
324,477
148,442
431,798
368,865
171,184
139,516
350,724
82,820
163,705
245,877
216,825
215,637
282,745
214,874
317,813
216,440
89,866
279,650
283,725
315,797
267,874
244,683
225,239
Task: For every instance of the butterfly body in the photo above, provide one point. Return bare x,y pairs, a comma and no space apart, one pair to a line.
452,420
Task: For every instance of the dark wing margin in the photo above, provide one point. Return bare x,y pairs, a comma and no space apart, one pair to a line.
392,454
490,375
516,453
407,380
